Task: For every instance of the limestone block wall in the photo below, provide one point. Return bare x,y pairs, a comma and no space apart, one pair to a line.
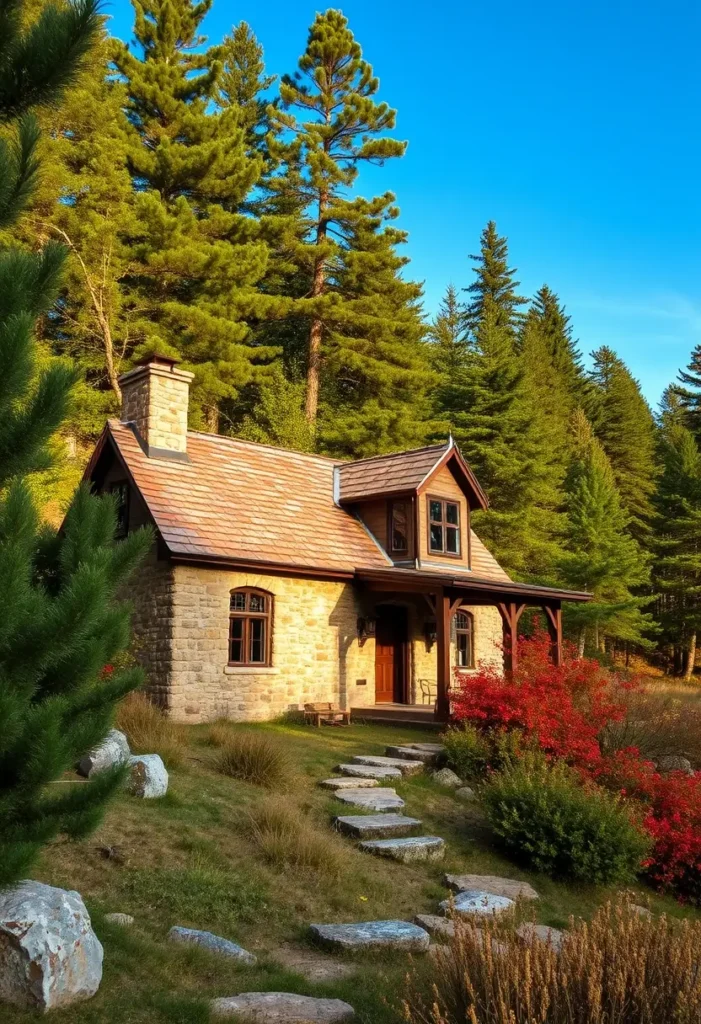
316,655
151,594
155,399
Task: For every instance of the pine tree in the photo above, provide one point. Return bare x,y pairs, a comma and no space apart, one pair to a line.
448,334
624,425
197,256
602,556
59,623
278,415
689,391
360,319
242,83
495,282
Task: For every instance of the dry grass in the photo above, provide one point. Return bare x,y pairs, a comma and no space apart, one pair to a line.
658,723
253,757
149,731
620,968
287,837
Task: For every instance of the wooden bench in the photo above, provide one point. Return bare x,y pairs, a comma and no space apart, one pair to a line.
315,714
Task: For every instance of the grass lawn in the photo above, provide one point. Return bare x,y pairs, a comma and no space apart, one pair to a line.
190,859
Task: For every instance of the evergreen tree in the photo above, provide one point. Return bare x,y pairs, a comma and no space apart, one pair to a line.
358,318
242,84
278,416
197,257
495,281
602,556
448,334
624,425
59,622
689,391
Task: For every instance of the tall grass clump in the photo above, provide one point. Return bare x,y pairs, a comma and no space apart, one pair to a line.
150,731
253,757
546,816
287,837
619,968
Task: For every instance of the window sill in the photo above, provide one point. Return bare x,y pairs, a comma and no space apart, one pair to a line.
250,670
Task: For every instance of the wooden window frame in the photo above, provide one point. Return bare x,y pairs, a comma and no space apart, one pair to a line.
247,616
443,524
122,527
469,631
409,520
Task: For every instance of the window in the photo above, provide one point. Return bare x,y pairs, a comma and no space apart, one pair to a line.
464,640
444,527
121,492
250,617
399,527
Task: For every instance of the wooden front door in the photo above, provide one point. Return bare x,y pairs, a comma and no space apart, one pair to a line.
390,655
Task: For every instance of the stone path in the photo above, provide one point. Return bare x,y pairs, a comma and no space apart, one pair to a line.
348,783
493,884
376,826
366,771
373,935
408,849
371,799
282,1008
398,763
477,903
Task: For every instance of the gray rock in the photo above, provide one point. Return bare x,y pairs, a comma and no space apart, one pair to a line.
376,826
123,920
446,777
366,771
282,1008
147,777
214,943
406,850
350,783
675,763
477,903
113,750
438,927
49,955
372,799
635,908
466,794
371,935
552,936
493,884
405,767
431,748
411,754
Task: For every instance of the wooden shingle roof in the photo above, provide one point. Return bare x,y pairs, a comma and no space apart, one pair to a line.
386,474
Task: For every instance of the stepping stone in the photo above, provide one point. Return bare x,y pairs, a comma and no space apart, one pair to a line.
438,927
377,826
494,884
411,754
371,799
477,903
405,767
346,782
431,748
372,935
529,931
367,771
282,1008
214,943
408,849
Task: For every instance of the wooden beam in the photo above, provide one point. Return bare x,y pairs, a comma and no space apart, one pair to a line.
553,617
510,614
443,673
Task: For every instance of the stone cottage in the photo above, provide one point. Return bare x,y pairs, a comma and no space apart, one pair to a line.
278,578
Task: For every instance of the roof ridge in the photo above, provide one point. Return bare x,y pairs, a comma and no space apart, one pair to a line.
443,445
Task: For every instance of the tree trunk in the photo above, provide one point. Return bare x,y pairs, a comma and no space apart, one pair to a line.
211,417
311,406
581,642
690,657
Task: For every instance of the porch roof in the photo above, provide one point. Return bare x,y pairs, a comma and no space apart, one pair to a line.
425,581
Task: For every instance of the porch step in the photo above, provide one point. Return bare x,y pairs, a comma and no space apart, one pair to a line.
407,850
377,826
366,771
371,799
405,767
398,714
346,782
372,935
414,754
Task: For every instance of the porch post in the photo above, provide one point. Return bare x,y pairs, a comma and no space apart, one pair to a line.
443,616
510,614
553,617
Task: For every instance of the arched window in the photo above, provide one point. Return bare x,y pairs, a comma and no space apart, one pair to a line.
250,622
464,639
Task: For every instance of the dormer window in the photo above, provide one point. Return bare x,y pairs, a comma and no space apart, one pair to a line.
399,527
444,527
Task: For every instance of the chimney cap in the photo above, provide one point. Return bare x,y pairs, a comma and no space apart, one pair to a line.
159,358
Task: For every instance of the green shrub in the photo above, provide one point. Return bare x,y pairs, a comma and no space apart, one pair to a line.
471,752
547,817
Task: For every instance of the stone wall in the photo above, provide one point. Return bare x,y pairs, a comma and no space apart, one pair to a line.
155,400
151,592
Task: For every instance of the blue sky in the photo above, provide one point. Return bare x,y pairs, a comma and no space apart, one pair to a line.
575,125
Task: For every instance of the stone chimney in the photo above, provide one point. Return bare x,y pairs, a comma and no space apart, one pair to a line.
154,401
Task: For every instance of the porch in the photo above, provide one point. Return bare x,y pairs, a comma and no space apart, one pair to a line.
400,695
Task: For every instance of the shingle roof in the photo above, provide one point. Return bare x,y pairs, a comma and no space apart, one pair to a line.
388,473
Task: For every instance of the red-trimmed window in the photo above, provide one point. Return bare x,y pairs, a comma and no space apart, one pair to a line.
250,626
443,527
464,639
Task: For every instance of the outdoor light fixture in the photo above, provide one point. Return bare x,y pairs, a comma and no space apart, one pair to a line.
430,634
366,628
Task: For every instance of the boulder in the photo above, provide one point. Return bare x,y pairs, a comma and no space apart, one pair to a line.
635,908
551,936
466,794
214,943
447,777
147,777
49,955
675,763
113,750
282,1008
438,927
123,920
494,884
372,935
477,903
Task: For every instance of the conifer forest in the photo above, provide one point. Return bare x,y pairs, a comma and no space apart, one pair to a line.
209,209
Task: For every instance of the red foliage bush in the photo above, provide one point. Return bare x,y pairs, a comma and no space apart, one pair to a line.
563,709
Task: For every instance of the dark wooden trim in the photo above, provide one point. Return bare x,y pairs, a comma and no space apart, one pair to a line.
249,565
553,618
443,666
430,553
408,551
470,483
473,587
470,631
246,616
